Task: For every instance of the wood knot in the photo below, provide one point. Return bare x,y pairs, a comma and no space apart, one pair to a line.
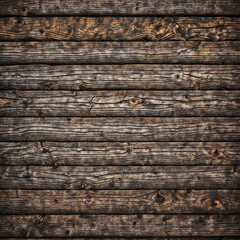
24,11
129,150
133,101
215,152
47,85
160,198
215,204
81,87
55,164
44,150
25,104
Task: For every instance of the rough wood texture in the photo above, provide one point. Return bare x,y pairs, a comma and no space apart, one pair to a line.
121,225
116,7
119,129
120,177
119,28
98,77
183,52
120,103
117,238
118,202
128,153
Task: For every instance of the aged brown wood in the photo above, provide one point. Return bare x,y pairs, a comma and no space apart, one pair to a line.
116,7
120,177
118,202
162,238
119,28
120,103
128,153
119,129
98,77
148,238
179,52
121,225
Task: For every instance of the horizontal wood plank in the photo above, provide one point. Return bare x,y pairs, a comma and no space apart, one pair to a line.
119,28
128,153
130,238
118,202
120,177
120,129
169,52
120,103
121,225
115,7
98,77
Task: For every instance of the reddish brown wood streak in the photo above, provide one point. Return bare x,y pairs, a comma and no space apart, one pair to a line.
120,28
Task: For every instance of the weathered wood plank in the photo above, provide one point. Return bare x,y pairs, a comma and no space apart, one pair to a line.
115,7
121,225
148,238
120,177
120,103
169,52
120,129
118,202
97,77
119,28
128,153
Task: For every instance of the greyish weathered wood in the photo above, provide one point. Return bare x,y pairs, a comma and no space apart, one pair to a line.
119,201
120,129
120,103
65,52
116,7
140,76
119,225
119,28
119,177
127,153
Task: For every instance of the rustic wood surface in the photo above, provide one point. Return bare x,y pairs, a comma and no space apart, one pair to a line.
138,238
169,52
116,7
120,103
119,225
127,153
105,77
120,177
120,119
119,28
119,201
119,129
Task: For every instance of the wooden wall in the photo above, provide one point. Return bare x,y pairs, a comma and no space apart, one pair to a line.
120,119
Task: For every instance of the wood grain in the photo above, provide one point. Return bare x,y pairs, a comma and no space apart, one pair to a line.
119,201
148,238
120,177
99,77
127,153
115,7
119,28
121,225
119,129
120,103
169,52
